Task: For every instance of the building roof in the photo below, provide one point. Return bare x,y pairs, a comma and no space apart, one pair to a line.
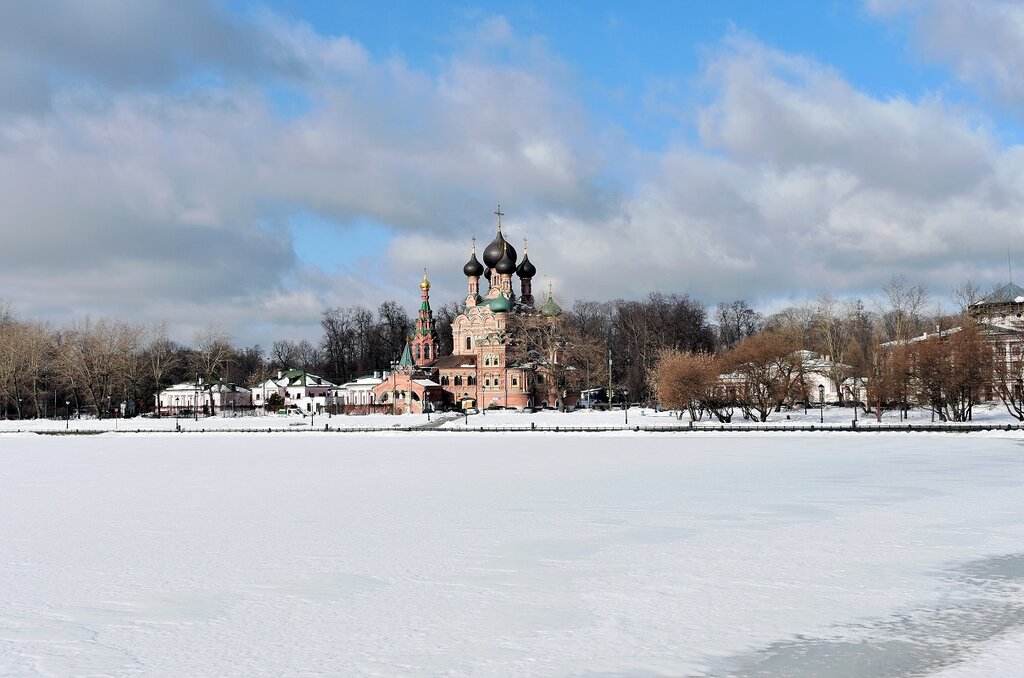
406,359
205,387
455,360
1008,293
286,378
362,382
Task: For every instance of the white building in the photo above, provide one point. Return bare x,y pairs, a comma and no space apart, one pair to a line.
298,389
356,393
206,398
815,380
818,371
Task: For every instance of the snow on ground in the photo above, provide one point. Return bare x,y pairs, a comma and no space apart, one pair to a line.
618,554
637,416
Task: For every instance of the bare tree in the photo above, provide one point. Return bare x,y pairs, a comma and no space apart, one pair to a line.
688,381
337,343
889,382
641,330
1008,373
832,336
766,368
309,356
443,319
212,351
966,295
284,354
7,314
902,307
97,360
562,355
948,372
736,321
162,354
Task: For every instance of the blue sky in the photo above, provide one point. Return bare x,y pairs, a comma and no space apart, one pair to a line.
250,164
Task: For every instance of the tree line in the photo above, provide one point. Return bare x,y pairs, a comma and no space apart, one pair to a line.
97,364
891,356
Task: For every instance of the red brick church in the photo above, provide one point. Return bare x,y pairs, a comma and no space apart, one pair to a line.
482,370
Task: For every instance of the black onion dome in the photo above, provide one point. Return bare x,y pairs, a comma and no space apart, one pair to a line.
496,250
506,265
473,267
526,269
487,273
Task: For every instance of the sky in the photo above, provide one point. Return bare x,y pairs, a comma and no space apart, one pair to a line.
248,165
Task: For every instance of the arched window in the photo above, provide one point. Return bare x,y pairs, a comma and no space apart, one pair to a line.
417,351
471,380
444,380
426,351
469,342
458,380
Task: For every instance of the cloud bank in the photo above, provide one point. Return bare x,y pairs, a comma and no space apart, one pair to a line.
156,163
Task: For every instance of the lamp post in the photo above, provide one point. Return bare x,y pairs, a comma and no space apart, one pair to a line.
394,387
625,404
609,375
821,401
195,398
67,414
175,413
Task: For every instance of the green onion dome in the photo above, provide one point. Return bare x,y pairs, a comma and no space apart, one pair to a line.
501,304
550,309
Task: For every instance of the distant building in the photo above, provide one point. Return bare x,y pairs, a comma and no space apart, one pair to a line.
203,397
298,389
1000,321
819,371
356,396
481,371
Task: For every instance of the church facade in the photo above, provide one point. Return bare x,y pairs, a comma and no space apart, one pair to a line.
488,366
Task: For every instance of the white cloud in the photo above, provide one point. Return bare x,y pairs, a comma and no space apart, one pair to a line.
185,195
175,203
982,40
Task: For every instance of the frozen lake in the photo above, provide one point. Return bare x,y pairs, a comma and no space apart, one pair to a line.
512,555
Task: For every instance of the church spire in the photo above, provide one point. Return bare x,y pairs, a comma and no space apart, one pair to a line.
425,344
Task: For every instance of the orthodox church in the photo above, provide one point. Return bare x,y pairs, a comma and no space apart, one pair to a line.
483,370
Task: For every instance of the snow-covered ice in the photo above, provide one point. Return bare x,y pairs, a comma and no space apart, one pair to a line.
987,414
624,554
